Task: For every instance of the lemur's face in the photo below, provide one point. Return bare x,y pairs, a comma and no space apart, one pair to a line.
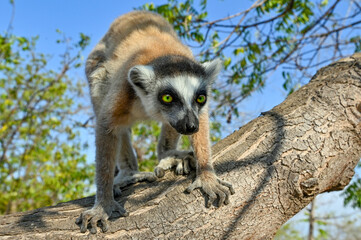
173,93
180,100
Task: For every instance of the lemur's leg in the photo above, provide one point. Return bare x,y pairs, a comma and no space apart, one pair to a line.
206,178
105,205
169,156
127,164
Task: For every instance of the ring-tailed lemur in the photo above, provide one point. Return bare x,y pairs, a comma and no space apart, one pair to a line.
141,70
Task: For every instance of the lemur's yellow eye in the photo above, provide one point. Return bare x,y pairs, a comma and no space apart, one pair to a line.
201,99
167,98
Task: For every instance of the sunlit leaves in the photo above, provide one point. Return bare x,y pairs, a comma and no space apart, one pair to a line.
84,41
353,194
357,43
287,231
40,156
271,34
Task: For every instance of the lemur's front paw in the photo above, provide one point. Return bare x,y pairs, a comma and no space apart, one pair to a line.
212,186
100,212
183,161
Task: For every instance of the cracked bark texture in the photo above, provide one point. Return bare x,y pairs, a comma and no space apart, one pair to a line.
278,163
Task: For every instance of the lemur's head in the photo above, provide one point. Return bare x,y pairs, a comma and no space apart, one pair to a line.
175,89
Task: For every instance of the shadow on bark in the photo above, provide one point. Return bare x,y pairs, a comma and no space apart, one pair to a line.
35,219
267,160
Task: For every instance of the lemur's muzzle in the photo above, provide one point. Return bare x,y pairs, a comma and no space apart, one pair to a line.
188,125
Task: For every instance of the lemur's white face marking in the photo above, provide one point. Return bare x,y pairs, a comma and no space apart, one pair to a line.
175,92
186,86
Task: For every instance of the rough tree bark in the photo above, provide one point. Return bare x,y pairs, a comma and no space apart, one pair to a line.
278,163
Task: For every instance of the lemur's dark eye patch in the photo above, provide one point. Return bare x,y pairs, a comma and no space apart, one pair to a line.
168,96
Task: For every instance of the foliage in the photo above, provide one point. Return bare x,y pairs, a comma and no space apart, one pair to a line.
41,161
256,41
145,136
287,231
352,194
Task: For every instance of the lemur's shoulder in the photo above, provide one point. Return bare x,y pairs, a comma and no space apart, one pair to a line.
142,36
136,38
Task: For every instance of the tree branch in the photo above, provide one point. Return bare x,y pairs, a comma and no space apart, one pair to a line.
278,163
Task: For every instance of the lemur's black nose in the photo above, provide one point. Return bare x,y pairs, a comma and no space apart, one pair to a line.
191,128
188,125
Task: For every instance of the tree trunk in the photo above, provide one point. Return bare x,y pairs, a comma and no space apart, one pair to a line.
278,163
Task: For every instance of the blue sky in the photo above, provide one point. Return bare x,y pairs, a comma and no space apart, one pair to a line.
41,17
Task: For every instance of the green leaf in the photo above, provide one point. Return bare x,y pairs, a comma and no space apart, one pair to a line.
36,106
323,233
238,51
227,62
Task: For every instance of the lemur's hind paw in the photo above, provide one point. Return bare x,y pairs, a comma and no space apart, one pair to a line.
122,181
100,212
212,186
159,172
183,161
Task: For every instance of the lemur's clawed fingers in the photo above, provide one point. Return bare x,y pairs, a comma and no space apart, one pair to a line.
182,161
213,187
211,195
189,162
120,212
186,167
116,191
227,184
196,184
104,225
88,218
91,217
93,224
179,169
83,220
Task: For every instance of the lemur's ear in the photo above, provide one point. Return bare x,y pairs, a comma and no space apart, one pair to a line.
141,77
212,69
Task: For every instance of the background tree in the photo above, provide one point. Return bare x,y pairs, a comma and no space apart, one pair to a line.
298,36
331,224
41,159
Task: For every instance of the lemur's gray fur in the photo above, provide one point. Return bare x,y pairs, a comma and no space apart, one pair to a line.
141,70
